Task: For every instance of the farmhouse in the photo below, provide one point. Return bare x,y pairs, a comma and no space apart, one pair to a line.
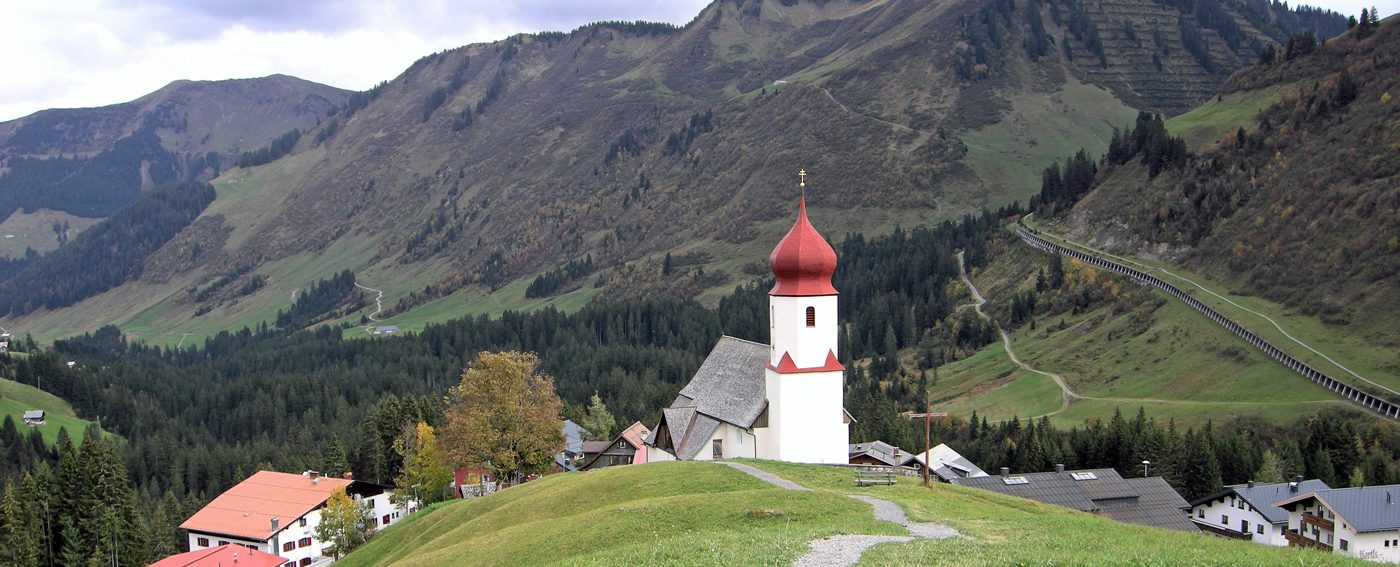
782,400
572,455
1360,522
1148,501
277,513
34,417
628,448
1247,511
949,465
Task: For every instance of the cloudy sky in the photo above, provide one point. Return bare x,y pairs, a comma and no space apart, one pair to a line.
76,53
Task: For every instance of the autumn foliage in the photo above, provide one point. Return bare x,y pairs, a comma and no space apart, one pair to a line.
503,416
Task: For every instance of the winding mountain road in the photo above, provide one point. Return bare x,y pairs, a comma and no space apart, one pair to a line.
378,302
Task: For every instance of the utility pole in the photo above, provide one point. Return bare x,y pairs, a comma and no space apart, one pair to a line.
928,416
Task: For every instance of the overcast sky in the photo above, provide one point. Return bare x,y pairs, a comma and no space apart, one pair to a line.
78,53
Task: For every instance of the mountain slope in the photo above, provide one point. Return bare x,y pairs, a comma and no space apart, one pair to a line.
1311,185
488,164
92,161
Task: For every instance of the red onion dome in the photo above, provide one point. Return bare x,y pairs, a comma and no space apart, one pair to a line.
802,262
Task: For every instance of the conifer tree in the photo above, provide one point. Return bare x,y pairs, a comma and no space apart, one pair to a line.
598,420
1268,468
19,538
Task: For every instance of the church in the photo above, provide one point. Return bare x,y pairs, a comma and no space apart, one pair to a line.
782,400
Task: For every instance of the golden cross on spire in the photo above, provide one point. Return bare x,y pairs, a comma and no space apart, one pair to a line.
802,178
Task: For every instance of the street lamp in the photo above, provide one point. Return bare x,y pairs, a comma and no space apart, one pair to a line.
1145,465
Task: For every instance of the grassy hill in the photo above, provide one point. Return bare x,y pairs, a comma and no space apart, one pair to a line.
1171,361
706,514
478,168
16,398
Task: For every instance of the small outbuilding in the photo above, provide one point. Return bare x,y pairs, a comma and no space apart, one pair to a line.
34,417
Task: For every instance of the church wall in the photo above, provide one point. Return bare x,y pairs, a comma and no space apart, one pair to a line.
812,426
657,455
790,333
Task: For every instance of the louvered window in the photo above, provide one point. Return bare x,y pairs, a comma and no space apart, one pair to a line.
811,316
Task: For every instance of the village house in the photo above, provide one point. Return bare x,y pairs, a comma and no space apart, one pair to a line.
1147,501
1247,511
34,417
628,448
230,555
1360,522
947,463
780,401
572,456
277,513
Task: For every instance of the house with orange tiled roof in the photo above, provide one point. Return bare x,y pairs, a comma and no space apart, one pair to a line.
277,513
222,556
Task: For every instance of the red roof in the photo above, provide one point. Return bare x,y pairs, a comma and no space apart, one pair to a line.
787,366
635,434
247,509
227,555
802,262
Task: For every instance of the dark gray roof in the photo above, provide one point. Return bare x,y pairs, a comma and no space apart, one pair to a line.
1157,505
573,445
729,385
1142,501
697,436
1263,496
881,451
1368,509
34,414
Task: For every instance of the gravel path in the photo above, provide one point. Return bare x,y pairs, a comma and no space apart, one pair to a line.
845,550
765,476
891,512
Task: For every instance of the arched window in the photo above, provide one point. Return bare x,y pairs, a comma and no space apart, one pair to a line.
811,316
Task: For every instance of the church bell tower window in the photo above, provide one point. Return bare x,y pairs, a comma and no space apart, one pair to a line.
811,316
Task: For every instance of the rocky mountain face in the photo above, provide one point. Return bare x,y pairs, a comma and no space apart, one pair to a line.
620,141
92,161
1296,202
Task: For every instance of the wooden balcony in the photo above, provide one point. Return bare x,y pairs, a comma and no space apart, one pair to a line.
1296,539
1309,518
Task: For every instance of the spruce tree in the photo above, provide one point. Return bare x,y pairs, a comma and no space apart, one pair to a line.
1268,471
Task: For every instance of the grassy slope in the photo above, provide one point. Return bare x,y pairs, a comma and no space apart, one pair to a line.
663,513
35,230
1012,531
1211,121
16,398
1197,369
1368,345
704,514
1039,130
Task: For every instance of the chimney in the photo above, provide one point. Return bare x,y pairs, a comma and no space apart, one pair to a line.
347,475
1250,484
275,521
1005,471
1387,497
1060,467
313,474
235,557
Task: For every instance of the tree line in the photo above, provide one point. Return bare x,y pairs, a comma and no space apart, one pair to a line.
108,254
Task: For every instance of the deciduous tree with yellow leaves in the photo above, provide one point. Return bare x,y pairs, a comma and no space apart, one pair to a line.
503,416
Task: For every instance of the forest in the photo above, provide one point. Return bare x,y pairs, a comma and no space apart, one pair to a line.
107,255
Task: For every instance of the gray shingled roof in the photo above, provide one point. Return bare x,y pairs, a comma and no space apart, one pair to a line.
729,385
697,437
1263,496
1156,505
1368,509
880,451
1142,501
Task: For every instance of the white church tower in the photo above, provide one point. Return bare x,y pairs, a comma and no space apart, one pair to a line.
804,382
